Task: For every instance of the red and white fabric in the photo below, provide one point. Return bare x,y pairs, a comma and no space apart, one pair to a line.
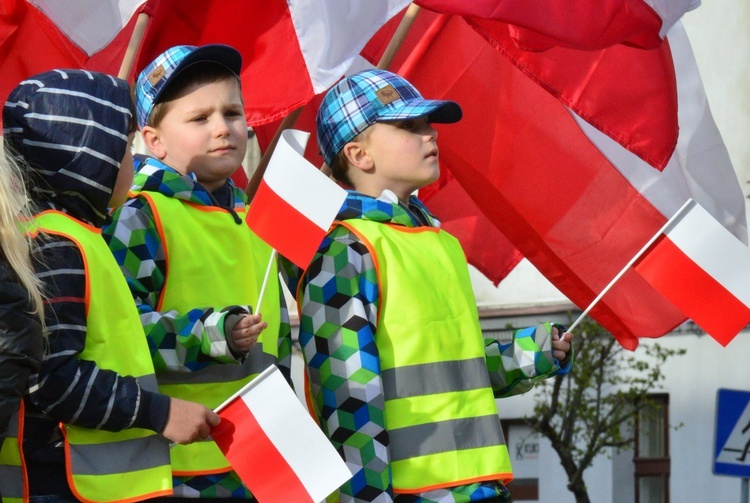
275,446
295,203
292,49
572,200
704,270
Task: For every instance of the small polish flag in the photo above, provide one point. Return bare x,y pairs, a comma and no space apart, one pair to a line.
704,271
295,203
275,446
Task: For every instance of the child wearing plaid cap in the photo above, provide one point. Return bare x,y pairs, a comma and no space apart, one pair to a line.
193,266
402,381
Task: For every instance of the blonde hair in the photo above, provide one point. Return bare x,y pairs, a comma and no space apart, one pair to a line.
14,208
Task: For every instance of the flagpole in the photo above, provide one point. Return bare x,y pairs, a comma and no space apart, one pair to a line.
265,280
135,43
398,36
265,373
688,204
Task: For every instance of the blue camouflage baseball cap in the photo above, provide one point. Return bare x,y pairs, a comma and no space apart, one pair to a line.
162,70
360,100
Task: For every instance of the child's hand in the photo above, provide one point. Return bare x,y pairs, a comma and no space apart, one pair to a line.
560,343
189,421
245,332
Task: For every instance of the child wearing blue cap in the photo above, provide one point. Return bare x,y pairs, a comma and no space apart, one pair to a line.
402,381
193,266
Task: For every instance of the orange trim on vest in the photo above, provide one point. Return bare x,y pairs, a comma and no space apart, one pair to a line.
505,477
374,256
74,490
162,238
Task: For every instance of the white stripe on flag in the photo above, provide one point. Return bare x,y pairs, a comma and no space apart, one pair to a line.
714,249
332,32
294,179
700,167
670,11
90,24
296,436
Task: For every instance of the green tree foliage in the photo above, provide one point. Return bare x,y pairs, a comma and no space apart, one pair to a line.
594,407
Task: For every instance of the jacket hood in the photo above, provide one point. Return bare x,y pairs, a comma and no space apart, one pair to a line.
386,209
71,128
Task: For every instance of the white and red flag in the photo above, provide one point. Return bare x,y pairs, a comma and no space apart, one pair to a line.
292,49
275,446
295,203
574,201
704,270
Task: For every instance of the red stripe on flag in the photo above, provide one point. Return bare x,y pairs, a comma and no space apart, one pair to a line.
266,473
290,232
714,308
538,178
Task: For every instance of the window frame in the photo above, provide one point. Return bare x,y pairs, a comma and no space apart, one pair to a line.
658,467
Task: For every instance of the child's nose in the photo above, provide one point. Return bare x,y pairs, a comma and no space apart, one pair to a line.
222,127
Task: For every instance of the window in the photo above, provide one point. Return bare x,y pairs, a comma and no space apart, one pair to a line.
652,452
523,447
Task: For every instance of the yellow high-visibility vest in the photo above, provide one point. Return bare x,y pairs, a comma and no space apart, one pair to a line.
212,262
102,466
440,412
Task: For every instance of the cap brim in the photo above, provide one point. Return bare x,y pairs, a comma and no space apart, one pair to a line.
437,111
221,54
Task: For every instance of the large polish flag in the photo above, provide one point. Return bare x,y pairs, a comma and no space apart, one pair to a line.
571,199
275,446
292,49
295,203
583,25
704,270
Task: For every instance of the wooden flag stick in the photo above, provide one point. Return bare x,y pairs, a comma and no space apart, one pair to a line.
398,36
135,43
688,204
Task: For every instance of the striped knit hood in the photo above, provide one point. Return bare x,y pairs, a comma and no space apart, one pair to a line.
71,128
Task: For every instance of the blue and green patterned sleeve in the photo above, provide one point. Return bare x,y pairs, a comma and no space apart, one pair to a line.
178,341
515,365
339,299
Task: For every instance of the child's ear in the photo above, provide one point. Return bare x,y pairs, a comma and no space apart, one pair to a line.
357,155
153,142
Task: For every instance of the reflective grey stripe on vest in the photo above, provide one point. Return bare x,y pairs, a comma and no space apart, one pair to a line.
105,459
11,477
434,378
444,436
11,482
257,361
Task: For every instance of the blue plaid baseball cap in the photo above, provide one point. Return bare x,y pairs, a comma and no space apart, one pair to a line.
159,73
360,100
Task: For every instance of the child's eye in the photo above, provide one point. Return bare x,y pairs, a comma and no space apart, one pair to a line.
198,118
408,125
